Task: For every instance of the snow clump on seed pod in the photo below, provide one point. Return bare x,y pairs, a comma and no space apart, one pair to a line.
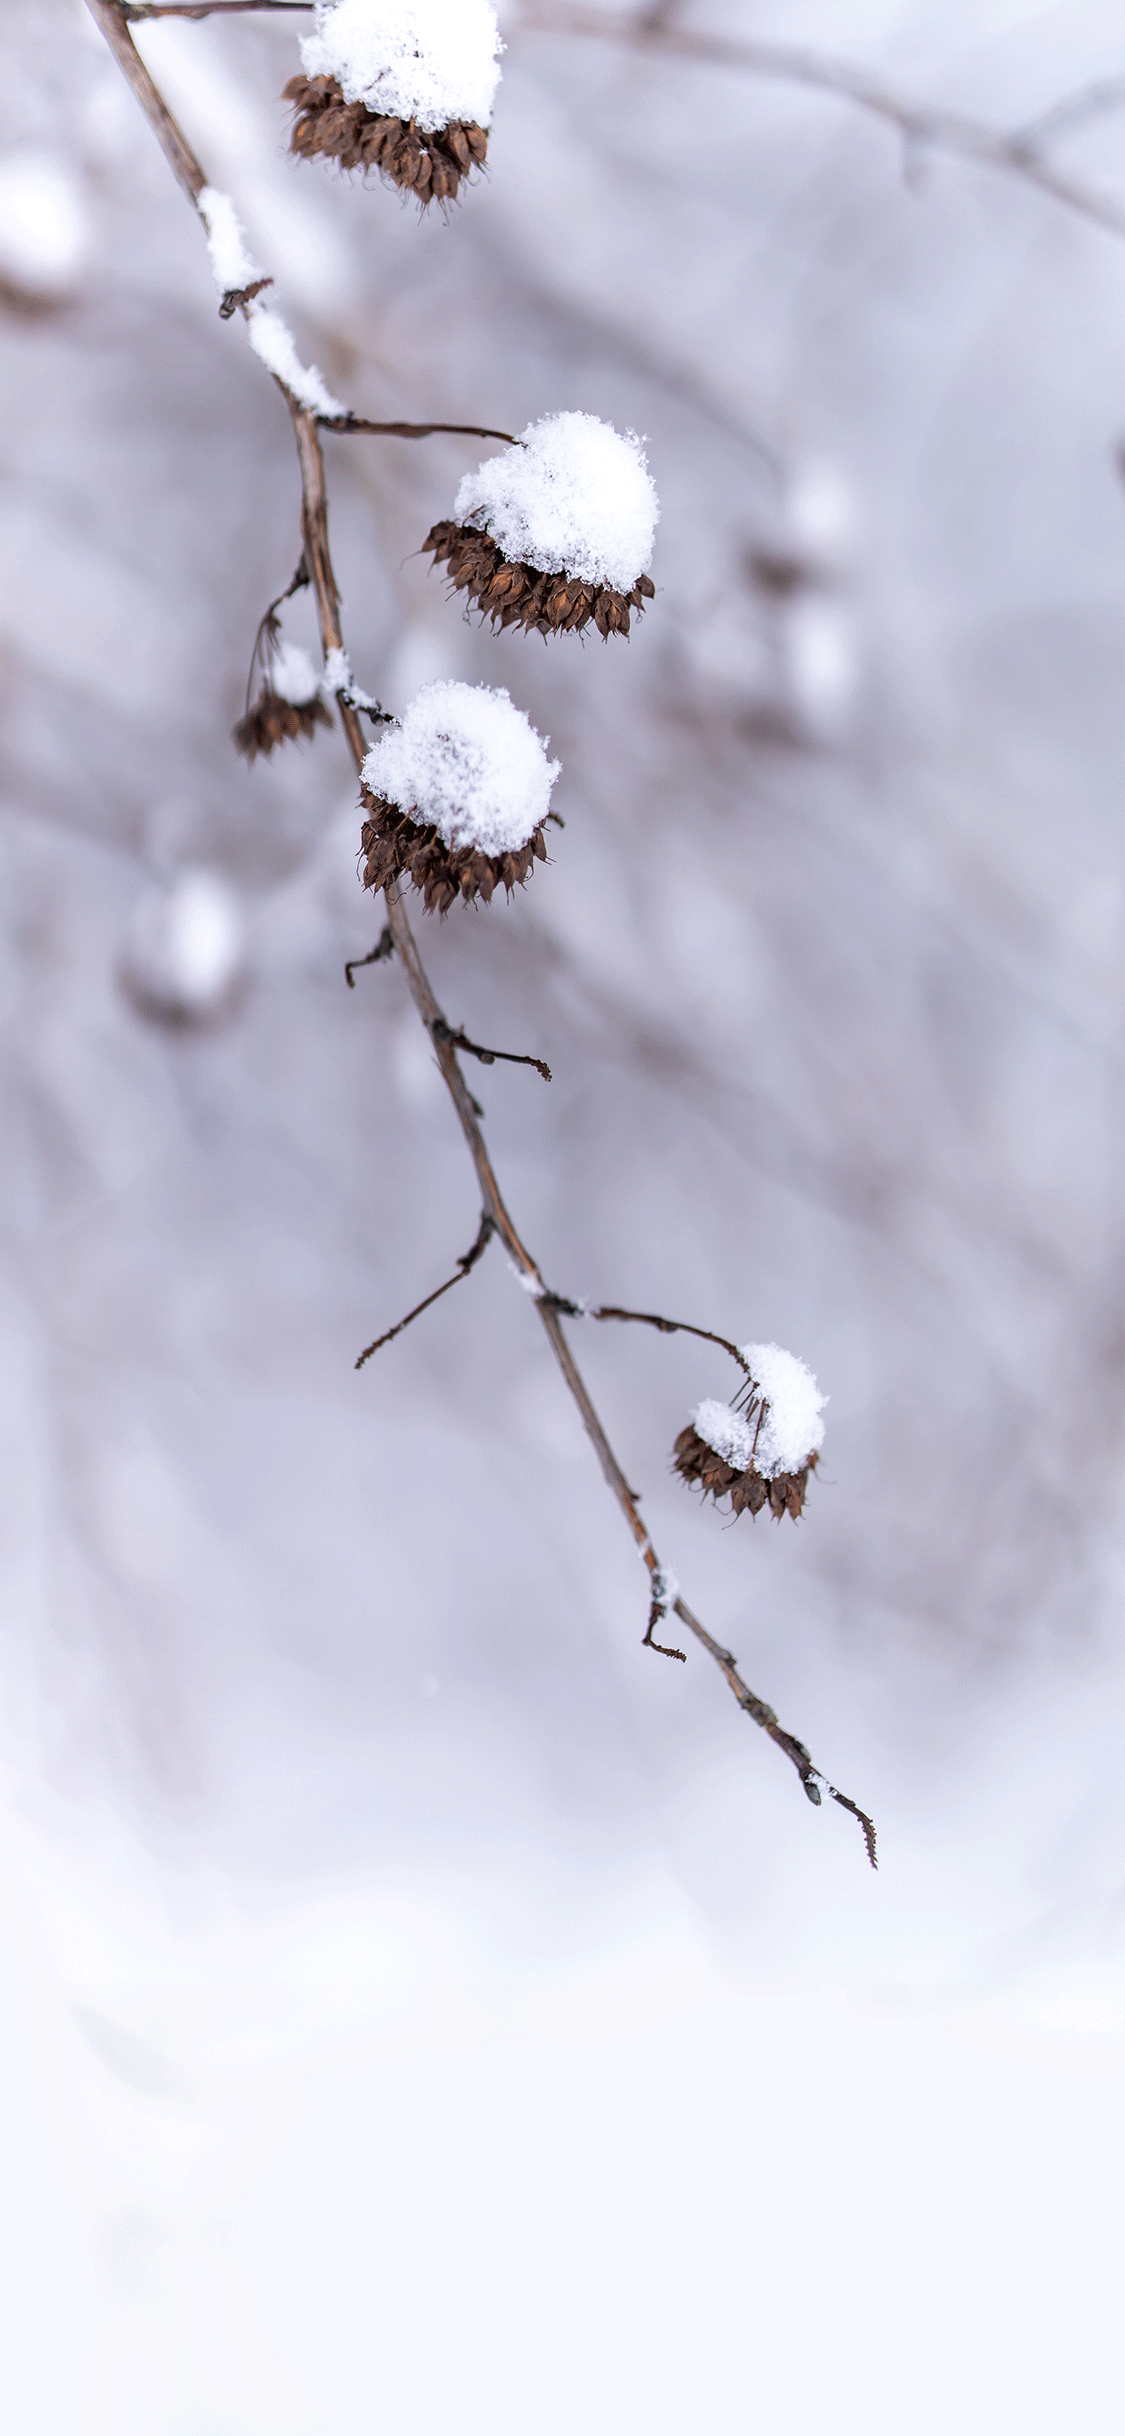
556,530
456,792
765,1454
402,86
792,1429
290,703
433,61
571,495
725,1432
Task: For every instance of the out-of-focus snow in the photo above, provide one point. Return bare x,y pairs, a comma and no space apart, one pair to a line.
186,948
432,61
572,495
792,1428
463,757
44,233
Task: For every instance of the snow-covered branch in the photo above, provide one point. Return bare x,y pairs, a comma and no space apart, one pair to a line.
462,775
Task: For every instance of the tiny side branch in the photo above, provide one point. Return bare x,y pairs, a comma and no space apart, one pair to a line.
383,949
487,1057
413,431
467,1262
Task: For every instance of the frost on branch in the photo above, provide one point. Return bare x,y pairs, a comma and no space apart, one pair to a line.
765,1452
402,86
274,345
556,530
456,793
237,276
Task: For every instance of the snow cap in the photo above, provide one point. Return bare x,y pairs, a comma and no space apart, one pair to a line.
792,1429
464,758
433,61
292,674
724,1431
576,498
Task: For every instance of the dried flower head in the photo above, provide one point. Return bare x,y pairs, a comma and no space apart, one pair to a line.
401,86
429,163
456,793
556,530
290,702
764,1452
513,594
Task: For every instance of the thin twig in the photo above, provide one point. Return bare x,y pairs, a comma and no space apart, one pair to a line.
495,1218
922,128
488,1057
663,1592
384,947
134,10
1074,110
269,626
467,1261
109,16
667,1327
412,431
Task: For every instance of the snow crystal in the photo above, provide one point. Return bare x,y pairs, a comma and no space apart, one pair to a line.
231,261
792,1429
575,497
292,674
665,1587
430,60
463,757
273,343
724,1431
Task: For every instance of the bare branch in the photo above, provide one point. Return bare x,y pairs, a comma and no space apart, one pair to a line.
663,1593
923,129
134,10
383,949
1074,111
488,1057
413,431
269,625
466,1263
495,1217
667,1327
110,17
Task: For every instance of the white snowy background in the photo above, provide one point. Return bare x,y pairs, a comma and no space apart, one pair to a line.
421,2009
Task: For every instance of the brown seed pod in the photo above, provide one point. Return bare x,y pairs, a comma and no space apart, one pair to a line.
428,163
702,1468
395,846
512,594
273,721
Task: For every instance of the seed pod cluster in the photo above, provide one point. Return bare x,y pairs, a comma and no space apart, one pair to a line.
512,594
702,1468
430,165
274,721
396,846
